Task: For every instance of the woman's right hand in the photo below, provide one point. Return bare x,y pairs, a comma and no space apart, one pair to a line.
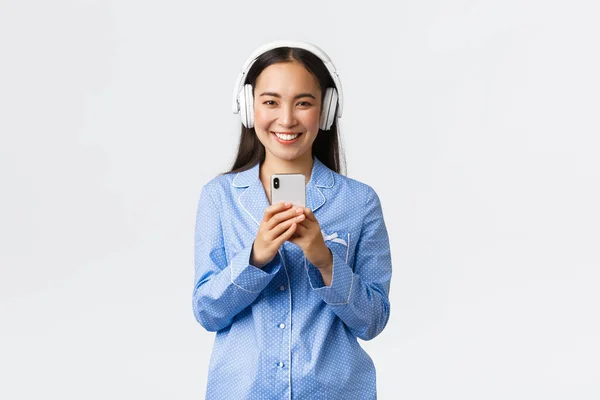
278,225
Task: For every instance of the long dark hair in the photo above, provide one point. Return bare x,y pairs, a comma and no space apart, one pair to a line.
326,147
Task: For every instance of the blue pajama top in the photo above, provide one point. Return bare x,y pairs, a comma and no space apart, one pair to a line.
280,332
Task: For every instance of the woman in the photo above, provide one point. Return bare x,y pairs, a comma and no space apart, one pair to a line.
290,289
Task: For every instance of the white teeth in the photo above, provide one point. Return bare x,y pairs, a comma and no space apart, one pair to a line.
286,137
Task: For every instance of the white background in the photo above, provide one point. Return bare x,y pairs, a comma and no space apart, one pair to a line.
475,121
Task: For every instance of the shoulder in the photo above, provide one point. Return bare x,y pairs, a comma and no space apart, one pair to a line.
219,183
218,189
355,188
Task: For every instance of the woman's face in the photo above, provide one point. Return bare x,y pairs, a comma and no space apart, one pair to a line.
287,102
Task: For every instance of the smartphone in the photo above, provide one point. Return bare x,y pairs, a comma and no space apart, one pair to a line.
290,188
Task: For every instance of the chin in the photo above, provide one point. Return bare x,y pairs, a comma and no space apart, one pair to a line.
286,155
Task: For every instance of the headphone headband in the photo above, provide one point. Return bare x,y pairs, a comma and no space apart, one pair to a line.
289,43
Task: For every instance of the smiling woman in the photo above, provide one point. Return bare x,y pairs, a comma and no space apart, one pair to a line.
289,290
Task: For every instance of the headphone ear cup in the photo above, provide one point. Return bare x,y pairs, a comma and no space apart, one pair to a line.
242,106
246,102
249,105
328,109
325,109
333,108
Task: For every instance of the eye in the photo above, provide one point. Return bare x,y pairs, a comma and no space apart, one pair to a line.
269,102
304,104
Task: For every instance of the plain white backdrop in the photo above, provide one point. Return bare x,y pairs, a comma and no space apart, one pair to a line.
475,121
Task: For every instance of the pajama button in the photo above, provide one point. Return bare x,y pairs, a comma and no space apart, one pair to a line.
282,326
280,364
282,288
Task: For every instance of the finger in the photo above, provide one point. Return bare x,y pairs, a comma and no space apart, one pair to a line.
283,226
273,217
301,230
287,234
283,216
274,209
305,224
309,214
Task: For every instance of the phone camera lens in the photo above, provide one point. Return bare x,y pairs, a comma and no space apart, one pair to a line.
276,183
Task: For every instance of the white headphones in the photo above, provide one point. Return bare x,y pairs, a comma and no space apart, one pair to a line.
243,100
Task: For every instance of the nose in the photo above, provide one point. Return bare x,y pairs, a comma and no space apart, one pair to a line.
287,117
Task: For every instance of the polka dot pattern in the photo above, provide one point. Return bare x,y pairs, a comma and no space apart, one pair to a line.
281,333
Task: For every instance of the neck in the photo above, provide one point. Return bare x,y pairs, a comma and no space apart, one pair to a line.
273,165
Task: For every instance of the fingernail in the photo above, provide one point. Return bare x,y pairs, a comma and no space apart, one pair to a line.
298,210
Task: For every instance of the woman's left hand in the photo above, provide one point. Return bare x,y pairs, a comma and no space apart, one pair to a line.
309,238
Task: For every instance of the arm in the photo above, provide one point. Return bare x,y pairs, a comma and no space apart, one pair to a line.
222,288
360,298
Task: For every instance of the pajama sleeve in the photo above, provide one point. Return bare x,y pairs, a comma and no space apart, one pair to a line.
222,287
359,296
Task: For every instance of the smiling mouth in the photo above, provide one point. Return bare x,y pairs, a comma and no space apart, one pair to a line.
286,136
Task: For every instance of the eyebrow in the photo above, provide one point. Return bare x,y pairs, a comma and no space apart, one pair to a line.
295,97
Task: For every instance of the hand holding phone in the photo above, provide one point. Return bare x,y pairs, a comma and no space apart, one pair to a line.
278,225
280,220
